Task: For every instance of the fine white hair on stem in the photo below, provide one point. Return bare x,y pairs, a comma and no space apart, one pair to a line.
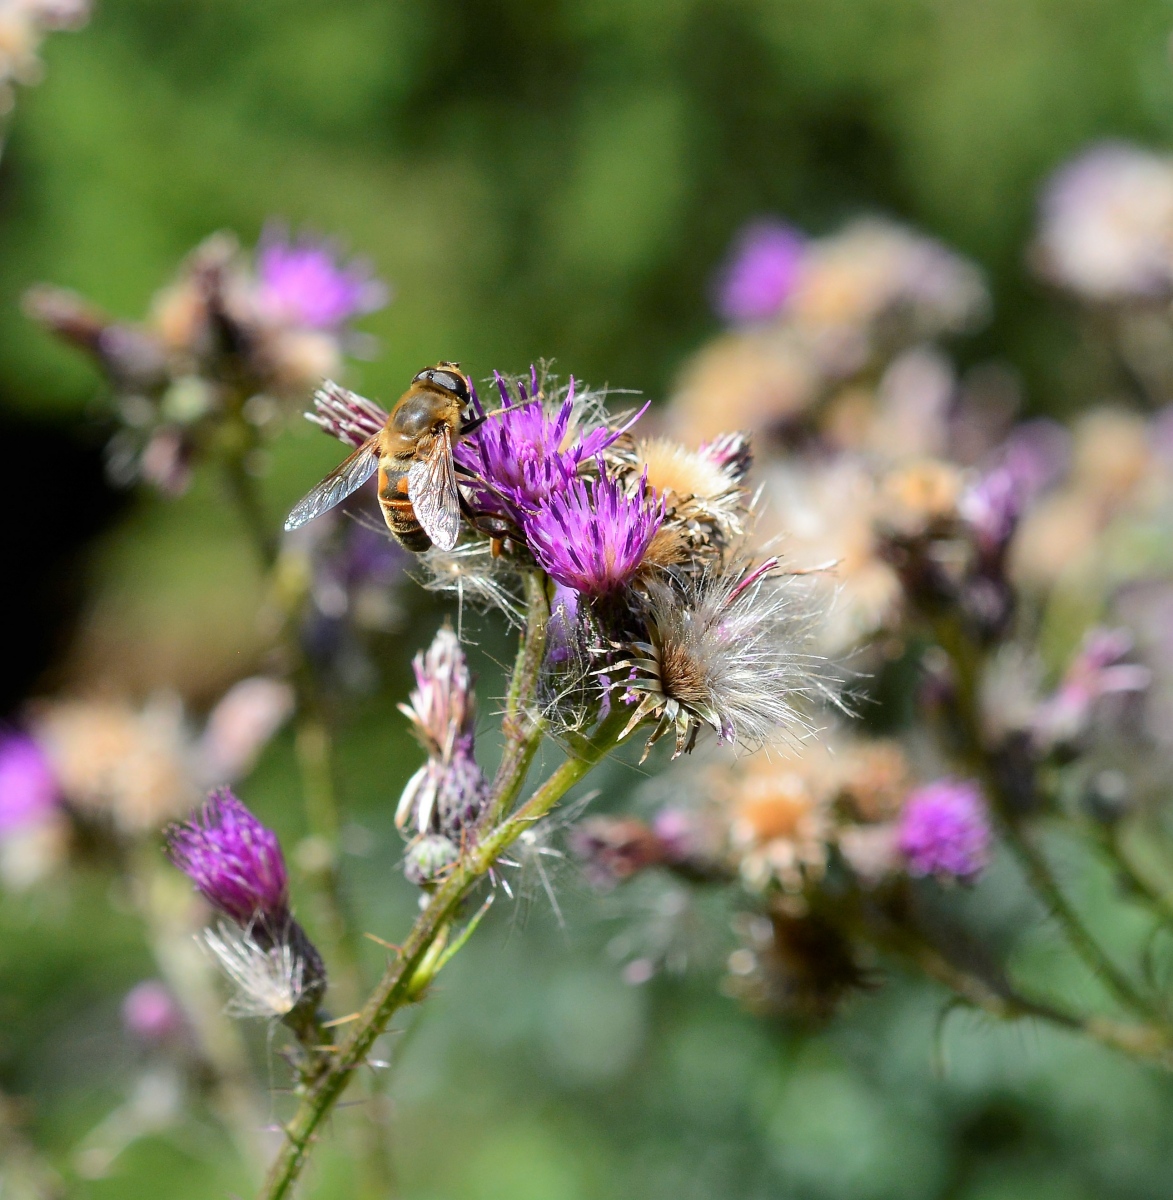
269,982
728,650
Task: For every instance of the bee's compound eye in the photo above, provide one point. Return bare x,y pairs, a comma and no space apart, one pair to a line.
449,381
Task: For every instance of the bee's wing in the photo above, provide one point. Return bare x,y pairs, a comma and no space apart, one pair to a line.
431,488
348,477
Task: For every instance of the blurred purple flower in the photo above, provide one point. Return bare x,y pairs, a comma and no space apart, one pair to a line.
761,273
233,860
592,535
1095,672
28,788
524,454
302,282
944,830
1031,459
150,1013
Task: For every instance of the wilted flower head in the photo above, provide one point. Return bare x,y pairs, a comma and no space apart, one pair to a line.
1107,224
592,535
234,861
1095,672
944,830
448,792
526,453
302,282
23,23
702,492
727,651
761,273
28,788
271,978
111,760
442,705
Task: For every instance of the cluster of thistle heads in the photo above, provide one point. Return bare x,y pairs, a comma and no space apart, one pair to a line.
894,520
225,349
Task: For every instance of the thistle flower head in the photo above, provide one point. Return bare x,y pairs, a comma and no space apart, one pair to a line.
525,453
704,502
28,787
592,535
301,282
944,830
761,273
233,860
449,791
442,705
346,415
726,651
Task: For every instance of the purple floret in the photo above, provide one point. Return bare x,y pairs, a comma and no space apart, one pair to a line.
28,789
762,272
234,861
945,830
592,536
303,283
522,454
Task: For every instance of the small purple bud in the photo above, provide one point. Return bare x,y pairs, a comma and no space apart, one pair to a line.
762,272
944,830
150,1013
28,788
233,860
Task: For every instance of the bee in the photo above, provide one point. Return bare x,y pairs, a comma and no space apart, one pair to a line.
412,452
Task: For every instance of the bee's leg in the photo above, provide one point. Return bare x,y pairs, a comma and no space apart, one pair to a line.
499,529
473,424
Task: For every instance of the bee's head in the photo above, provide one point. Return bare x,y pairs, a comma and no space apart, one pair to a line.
448,377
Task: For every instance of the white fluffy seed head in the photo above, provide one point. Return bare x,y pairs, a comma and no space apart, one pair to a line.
730,650
268,983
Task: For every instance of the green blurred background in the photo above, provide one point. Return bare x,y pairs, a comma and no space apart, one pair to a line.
551,180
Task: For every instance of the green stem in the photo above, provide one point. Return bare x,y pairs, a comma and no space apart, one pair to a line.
521,726
966,659
1143,1042
246,496
399,983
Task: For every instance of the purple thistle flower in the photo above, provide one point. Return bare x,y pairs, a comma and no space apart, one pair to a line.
523,453
28,788
944,830
761,273
1032,458
302,283
234,861
592,535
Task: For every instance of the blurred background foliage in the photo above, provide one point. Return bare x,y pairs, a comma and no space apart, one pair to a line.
538,180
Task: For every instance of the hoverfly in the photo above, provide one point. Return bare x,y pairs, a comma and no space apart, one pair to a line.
412,451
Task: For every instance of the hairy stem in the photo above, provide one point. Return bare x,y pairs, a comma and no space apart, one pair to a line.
522,728
399,984
408,976
966,659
